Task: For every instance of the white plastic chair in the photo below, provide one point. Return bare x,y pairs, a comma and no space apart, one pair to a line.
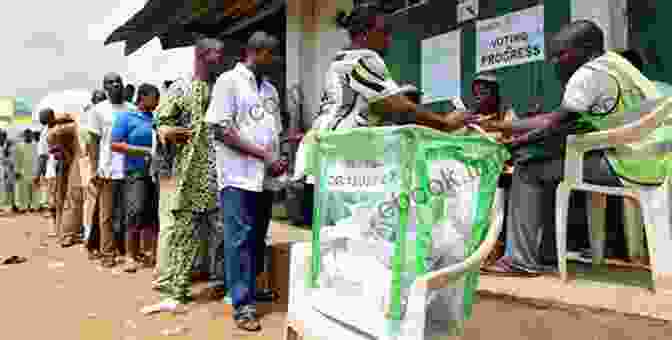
654,200
308,324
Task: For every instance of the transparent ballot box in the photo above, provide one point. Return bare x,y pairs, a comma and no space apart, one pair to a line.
391,205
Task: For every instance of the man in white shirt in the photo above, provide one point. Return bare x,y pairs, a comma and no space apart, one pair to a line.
90,236
246,131
105,164
592,95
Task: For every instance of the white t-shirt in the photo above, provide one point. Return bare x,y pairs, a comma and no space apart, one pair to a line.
355,79
590,90
238,101
100,121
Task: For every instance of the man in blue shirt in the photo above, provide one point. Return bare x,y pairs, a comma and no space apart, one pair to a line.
133,135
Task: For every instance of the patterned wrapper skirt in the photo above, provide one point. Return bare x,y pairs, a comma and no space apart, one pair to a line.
142,203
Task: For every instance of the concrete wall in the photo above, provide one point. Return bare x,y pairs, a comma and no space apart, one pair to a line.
312,40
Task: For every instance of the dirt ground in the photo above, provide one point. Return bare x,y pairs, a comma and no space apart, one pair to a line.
59,294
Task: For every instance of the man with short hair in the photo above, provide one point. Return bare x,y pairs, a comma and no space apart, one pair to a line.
89,232
247,148
181,121
64,144
106,165
601,90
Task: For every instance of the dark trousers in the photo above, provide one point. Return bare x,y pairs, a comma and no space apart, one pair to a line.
531,209
119,214
239,210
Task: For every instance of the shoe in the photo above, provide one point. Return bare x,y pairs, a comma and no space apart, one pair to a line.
246,319
94,255
266,295
131,266
165,306
70,241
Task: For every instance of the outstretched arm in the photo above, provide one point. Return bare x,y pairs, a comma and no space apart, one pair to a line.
371,79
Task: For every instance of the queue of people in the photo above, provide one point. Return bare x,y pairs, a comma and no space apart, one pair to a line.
212,142
215,138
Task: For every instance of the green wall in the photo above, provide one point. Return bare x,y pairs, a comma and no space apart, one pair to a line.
648,30
519,83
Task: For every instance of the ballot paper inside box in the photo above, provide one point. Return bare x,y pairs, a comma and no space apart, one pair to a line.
394,203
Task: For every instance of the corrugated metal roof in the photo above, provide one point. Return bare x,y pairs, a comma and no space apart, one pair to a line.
176,21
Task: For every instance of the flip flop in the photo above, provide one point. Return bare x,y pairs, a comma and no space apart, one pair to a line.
247,321
166,306
497,271
503,268
14,260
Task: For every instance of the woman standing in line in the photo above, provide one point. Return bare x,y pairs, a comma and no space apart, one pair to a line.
132,135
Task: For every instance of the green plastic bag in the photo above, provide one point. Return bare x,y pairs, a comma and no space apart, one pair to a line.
392,204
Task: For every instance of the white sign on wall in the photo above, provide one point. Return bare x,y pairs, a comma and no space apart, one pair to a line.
512,39
441,71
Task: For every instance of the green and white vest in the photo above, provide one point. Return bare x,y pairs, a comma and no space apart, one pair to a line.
637,162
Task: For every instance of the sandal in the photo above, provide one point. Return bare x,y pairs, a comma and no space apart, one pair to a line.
69,242
14,260
94,255
165,306
504,267
148,261
131,266
247,320
108,262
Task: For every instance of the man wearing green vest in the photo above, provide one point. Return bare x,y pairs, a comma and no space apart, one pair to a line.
601,89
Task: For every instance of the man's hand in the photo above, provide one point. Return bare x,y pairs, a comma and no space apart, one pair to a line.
490,124
36,183
453,120
514,140
174,135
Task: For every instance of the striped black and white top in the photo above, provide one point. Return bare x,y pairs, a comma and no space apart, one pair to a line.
356,78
